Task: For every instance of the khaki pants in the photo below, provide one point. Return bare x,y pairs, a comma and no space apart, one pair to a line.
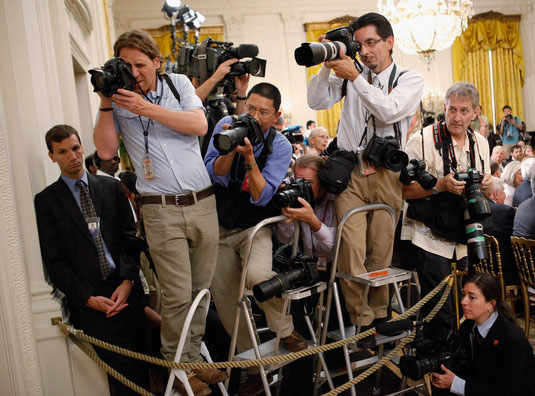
183,244
367,239
225,286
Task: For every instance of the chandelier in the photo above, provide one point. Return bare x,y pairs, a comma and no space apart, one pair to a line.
426,26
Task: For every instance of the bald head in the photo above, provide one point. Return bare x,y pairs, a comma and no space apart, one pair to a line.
498,154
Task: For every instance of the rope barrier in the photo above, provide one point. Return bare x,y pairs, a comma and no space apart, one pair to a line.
78,335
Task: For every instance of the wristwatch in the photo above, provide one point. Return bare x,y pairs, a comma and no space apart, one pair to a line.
435,190
249,167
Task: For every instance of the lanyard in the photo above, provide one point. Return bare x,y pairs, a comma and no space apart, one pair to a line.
149,122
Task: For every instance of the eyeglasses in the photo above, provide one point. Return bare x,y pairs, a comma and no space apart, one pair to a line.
261,113
370,43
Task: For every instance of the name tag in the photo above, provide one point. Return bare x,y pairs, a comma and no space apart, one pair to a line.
93,224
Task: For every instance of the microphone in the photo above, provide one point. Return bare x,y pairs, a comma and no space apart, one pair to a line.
397,327
247,50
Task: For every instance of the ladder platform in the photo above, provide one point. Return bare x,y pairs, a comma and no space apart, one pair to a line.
267,349
379,278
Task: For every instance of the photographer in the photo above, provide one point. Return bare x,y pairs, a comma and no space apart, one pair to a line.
510,128
379,102
460,150
502,361
246,179
159,123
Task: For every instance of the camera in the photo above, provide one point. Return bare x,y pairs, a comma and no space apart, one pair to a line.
385,152
477,208
509,116
293,134
114,75
296,272
433,347
310,54
243,126
415,171
295,189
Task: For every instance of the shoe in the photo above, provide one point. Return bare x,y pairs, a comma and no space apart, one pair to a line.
294,342
198,387
211,376
369,341
253,385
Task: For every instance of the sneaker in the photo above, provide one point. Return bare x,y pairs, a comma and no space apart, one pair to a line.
294,342
198,387
253,385
211,376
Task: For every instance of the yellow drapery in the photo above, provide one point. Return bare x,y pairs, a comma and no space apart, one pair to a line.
501,35
326,118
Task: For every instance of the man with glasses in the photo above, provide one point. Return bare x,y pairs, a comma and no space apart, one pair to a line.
246,179
380,101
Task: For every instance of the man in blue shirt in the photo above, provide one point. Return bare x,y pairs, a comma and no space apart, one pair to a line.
160,123
246,180
510,127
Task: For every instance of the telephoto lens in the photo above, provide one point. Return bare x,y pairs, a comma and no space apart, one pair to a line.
244,126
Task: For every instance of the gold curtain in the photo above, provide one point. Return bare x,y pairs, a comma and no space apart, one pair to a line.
501,35
326,118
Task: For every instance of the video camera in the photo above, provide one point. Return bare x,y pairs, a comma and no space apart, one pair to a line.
415,171
202,60
385,152
293,134
433,347
295,189
114,75
310,54
296,272
243,126
477,208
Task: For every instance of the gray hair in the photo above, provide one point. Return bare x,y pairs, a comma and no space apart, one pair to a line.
463,89
315,131
497,184
528,168
509,172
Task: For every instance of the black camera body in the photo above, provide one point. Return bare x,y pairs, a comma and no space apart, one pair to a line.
310,54
243,126
114,75
509,116
385,152
434,347
292,273
293,134
415,171
295,189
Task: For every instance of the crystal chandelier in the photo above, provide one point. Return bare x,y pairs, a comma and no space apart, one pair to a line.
426,26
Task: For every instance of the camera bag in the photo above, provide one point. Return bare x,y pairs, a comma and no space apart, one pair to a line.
335,174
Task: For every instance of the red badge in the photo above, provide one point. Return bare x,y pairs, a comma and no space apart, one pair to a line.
495,342
245,186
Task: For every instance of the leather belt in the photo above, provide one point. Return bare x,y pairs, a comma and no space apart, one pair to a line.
178,200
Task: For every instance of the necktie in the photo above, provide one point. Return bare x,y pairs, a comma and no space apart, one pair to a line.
476,341
89,213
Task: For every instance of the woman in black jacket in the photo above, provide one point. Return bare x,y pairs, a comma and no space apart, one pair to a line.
502,359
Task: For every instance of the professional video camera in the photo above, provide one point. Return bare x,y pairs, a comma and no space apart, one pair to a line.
114,75
477,208
433,348
293,134
310,54
296,272
385,152
243,126
293,190
415,171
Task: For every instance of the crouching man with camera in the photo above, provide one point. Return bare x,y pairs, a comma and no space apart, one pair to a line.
379,104
159,118
247,161
440,221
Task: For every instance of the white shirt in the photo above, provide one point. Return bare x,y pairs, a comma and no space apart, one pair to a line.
325,89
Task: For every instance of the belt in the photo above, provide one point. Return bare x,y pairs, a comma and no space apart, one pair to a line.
178,200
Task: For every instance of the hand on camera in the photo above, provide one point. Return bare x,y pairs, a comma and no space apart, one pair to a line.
305,213
246,150
131,101
241,83
443,381
223,69
487,184
449,183
343,67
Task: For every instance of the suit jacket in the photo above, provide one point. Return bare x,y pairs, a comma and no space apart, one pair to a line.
500,225
522,192
69,252
524,220
504,364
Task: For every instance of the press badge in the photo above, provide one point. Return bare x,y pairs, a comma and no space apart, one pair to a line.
93,224
147,167
322,262
366,167
245,185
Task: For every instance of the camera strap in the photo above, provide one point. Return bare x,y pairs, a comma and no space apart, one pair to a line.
200,54
239,171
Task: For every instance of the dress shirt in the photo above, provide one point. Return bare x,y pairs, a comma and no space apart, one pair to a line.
416,231
274,170
511,134
71,183
176,156
321,241
325,89
458,384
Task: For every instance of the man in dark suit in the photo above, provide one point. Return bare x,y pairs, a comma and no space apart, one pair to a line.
87,237
523,191
500,225
525,219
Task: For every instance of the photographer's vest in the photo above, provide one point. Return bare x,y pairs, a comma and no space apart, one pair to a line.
443,213
234,207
